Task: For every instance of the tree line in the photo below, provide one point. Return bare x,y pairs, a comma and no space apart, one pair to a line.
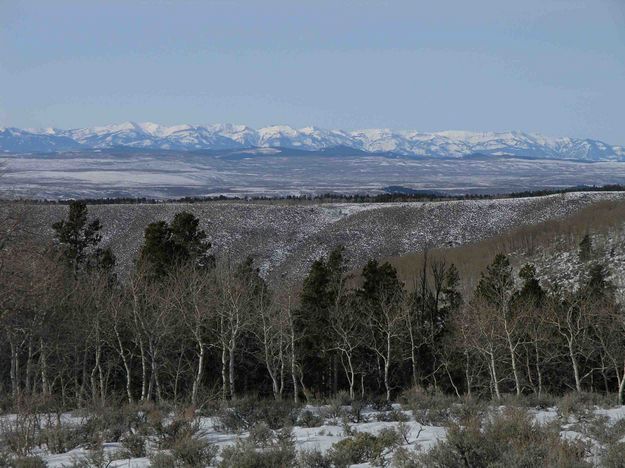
391,194
187,326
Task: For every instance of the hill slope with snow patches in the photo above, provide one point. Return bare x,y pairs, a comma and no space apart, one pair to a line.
284,239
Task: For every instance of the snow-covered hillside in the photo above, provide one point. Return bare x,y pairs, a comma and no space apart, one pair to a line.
225,136
284,238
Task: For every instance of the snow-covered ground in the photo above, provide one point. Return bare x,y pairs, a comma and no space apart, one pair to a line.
285,238
160,174
419,437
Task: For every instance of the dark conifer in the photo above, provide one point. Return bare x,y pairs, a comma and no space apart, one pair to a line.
80,237
167,246
496,284
585,249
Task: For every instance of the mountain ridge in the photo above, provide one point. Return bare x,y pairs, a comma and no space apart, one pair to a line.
186,137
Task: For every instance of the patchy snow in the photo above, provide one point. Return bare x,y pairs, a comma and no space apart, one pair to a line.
284,238
420,437
445,144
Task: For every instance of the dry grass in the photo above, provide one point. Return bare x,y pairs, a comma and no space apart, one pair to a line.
565,233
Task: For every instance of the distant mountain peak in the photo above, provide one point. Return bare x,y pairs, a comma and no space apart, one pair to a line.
185,137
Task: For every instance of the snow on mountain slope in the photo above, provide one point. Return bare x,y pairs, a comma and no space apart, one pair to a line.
16,140
446,144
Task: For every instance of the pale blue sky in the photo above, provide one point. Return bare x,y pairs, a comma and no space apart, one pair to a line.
551,66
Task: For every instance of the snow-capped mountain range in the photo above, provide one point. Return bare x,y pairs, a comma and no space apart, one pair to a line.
447,144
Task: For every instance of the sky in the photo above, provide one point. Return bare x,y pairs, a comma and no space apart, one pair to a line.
555,67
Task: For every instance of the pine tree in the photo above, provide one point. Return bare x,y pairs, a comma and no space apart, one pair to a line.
598,286
80,237
167,246
157,252
451,291
320,291
189,240
585,249
380,282
496,284
531,290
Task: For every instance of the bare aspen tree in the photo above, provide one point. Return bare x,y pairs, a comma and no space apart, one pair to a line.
137,287
119,327
482,336
271,329
569,318
496,290
233,292
284,302
94,304
537,351
348,335
386,322
152,327
192,299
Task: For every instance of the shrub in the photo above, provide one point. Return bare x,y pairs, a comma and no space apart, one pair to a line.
614,456
404,430
309,419
532,400
29,462
405,458
276,414
134,445
244,413
468,409
312,459
260,435
110,423
162,460
509,439
363,448
576,404
244,454
192,452
94,459
392,416
5,459
601,429
428,408
356,411
381,405
179,428
183,437
20,434
342,398
335,409
60,438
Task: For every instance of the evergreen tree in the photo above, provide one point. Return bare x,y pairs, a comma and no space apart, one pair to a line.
79,239
598,286
336,268
157,252
167,246
320,290
249,276
496,284
585,249
314,297
380,282
531,290
451,291
382,296
189,240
